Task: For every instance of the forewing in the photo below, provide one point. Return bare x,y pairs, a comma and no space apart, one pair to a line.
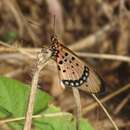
74,72
69,65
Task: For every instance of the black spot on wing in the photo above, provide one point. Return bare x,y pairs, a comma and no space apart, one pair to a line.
64,71
70,61
61,62
66,54
77,64
73,58
59,67
65,60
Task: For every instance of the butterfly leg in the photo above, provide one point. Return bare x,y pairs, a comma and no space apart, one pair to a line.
78,106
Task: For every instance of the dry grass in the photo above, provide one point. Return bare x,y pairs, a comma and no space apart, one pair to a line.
93,28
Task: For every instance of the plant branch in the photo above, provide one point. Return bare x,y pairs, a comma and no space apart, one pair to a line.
42,60
78,106
105,56
106,112
35,117
110,96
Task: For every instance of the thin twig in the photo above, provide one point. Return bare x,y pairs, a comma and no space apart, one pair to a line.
27,26
110,96
78,106
24,51
28,121
35,117
106,112
91,40
105,124
122,104
13,9
27,51
105,56
5,44
15,72
42,60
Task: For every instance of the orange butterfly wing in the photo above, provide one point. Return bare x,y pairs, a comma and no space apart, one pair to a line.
74,72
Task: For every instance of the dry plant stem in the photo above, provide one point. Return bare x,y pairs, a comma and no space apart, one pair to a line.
107,125
91,40
78,106
22,22
40,64
27,51
14,73
28,120
31,33
105,56
122,104
21,50
106,112
35,117
110,96
11,6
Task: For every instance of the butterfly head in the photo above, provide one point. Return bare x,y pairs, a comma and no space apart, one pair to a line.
55,46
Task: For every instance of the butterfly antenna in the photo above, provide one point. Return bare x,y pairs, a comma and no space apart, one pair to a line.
53,35
54,26
106,112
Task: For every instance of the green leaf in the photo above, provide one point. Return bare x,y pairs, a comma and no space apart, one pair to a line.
14,98
13,103
4,113
59,122
9,36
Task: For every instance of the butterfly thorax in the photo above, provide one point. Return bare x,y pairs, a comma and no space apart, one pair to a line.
55,47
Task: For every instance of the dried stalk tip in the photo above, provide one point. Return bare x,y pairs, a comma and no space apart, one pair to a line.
43,57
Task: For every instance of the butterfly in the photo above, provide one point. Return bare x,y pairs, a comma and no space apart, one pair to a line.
73,71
